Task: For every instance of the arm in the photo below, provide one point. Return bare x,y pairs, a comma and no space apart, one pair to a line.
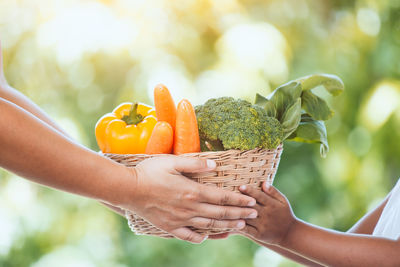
14,96
155,189
278,227
365,225
318,244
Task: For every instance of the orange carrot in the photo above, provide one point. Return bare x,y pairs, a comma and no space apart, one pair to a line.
165,106
186,131
161,139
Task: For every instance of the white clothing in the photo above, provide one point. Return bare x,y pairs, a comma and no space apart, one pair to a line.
388,225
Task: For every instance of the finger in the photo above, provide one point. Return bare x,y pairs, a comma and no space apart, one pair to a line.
186,234
223,197
192,165
219,236
273,192
206,223
252,222
224,213
259,195
249,231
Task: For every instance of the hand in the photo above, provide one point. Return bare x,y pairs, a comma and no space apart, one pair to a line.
275,216
173,203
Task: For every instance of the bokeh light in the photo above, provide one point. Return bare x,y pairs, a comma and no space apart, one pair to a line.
78,59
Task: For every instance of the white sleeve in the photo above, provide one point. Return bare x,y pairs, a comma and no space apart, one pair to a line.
388,225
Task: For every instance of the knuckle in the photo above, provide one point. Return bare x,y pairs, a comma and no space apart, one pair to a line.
202,163
223,213
184,214
224,199
189,237
211,223
191,196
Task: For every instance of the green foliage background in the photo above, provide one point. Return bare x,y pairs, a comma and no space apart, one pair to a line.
200,49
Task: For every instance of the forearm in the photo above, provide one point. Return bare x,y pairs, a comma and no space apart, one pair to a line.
16,97
289,254
339,249
35,151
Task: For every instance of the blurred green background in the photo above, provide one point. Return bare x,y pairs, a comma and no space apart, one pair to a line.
79,59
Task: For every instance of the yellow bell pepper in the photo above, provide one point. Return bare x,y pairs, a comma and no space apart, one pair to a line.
127,129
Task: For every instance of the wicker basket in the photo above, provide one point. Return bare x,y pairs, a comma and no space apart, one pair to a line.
234,168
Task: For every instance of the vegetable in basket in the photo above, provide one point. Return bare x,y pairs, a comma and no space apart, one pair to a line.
186,138
127,129
161,140
164,104
291,112
228,123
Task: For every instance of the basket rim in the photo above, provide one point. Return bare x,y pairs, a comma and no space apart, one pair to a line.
280,146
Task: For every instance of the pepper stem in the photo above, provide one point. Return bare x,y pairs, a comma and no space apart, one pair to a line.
133,117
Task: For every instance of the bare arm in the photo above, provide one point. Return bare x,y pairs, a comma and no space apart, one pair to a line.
14,96
34,150
281,231
365,225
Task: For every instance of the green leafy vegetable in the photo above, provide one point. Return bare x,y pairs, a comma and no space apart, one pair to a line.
287,103
316,106
292,111
291,118
293,89
266,104
332,83
311,131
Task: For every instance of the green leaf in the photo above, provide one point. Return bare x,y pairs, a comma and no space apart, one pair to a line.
266,104
311,131
316,106
291,118
282,101
260,100
292,88
332,83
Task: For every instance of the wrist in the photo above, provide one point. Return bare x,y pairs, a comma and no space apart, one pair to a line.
291,231
122,188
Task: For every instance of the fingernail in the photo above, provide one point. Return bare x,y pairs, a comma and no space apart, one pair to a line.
267,185
251,203
240,225
253,215
242,187
211,164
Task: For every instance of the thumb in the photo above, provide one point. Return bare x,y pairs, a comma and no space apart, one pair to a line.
192,165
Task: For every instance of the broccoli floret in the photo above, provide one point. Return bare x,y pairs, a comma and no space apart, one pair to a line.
273,133
215,113
237,124
238,135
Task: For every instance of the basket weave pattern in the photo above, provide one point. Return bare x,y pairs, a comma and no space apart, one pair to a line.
234,168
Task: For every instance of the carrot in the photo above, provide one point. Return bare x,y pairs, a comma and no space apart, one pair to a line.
186,131
165,106
161,139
